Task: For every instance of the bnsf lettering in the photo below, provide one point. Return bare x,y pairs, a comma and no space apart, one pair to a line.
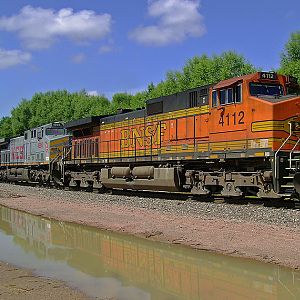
142,136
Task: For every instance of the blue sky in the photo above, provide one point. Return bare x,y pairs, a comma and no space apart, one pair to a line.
108,46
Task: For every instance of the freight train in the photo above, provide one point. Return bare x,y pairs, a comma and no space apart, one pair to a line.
235,138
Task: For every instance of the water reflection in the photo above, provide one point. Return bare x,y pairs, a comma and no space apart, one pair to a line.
115,266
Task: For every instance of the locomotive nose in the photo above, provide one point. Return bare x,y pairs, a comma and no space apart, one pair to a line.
296,181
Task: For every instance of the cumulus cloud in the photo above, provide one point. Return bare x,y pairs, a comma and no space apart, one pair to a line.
177,20
39,28
92,93
11,58
78,58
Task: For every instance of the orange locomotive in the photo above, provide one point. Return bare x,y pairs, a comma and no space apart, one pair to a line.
235,138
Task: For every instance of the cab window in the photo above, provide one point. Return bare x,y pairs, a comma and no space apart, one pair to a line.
231,95
238,94
55,131
214,98
265,89
223,97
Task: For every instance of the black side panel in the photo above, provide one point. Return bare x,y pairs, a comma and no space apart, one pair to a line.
183,100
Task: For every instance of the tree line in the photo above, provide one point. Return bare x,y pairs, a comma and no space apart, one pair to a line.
62,105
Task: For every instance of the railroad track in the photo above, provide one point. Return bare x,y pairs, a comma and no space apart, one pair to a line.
182,196
215,198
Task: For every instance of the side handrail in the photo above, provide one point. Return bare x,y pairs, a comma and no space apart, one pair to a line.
66,153
276,153
292,151
51,163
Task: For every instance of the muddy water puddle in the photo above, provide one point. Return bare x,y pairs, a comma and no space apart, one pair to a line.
121,267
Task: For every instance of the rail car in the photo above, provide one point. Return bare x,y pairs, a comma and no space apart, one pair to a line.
235,138
30,158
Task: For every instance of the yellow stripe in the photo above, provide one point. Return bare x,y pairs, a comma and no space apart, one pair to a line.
281,125
202,147
160,117
184,148
270,126
23,164
259,154
59,142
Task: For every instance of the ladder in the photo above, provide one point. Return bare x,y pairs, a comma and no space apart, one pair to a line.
285,185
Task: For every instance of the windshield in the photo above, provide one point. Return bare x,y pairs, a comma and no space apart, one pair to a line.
55,131
293,90
266,89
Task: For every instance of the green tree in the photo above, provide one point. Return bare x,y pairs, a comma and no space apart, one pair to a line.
5,127
207,70
202,70
20,117
121,100
86,105
290,58
52,106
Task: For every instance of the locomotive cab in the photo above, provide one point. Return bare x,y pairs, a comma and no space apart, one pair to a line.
253,126
273,87
276,102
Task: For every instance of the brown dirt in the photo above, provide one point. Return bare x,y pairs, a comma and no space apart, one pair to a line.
20,284
267,243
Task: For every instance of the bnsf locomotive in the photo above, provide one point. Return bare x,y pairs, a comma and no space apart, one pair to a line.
235,138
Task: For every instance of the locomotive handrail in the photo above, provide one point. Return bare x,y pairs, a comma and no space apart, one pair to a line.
293,151
51,163
276,153
66,153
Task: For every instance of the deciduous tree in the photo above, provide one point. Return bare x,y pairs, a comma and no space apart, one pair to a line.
290,58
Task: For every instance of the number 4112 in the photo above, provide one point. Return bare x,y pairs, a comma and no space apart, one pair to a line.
232,119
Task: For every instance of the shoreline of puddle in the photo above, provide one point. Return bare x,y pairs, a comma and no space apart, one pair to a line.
16,281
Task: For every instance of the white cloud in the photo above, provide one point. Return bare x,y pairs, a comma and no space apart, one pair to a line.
92,93
106,49
178,20
39,28
78,58
11,58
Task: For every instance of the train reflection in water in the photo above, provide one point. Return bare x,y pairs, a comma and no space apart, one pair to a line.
158,270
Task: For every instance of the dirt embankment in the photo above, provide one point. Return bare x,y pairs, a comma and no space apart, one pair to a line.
264,234
17,283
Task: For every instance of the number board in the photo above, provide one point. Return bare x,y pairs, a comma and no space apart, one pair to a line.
268,75
57,125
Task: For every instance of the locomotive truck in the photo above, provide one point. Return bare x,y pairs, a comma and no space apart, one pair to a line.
235,138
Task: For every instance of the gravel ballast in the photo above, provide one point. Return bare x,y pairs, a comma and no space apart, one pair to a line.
263,233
